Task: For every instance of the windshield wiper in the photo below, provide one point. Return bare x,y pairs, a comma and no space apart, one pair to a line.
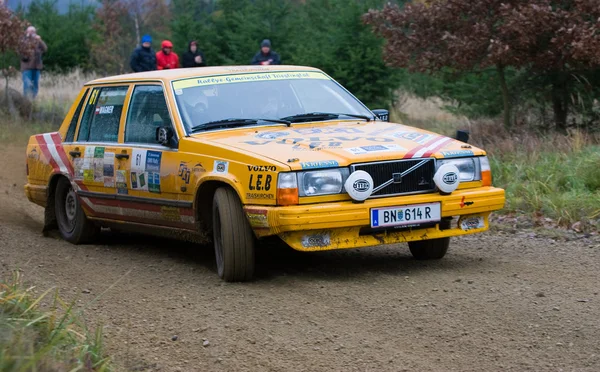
236,122
311,116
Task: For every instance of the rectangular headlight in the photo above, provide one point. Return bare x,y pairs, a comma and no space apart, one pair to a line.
322,182
469,168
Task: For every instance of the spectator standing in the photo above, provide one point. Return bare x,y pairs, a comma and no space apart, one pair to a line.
193,57
265,55
31,50
166,58
143,57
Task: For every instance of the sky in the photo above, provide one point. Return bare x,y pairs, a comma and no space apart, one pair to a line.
63,5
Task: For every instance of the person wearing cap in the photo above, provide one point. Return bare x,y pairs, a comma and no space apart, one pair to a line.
166,59
193,57
143,57
31,49
265,55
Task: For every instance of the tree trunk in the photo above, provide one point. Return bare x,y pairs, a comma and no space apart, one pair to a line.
507,113
560,101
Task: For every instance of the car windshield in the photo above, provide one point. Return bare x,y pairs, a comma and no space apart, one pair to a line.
298,96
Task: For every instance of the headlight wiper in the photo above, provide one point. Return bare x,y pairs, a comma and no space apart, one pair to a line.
235,122
316,116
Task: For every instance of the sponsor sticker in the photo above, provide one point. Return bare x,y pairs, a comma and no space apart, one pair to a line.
138,160
257,217
257,195
153,159
88,175
99,168
450,178
361,185
374,148
221,166
78,169
319,164
316,240
244,78
170,213
154,182
99,152
109,164
105,110
457,153
471,223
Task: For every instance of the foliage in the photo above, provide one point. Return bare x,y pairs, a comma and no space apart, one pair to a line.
327,34
32,339
555,39
111,50
68,35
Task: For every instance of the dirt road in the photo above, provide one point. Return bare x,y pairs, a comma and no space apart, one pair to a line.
498,301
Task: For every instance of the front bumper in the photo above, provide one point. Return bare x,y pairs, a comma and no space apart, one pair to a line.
340,225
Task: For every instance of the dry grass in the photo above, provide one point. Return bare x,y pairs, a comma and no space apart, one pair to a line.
57,89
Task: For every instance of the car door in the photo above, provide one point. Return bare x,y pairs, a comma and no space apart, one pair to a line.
96,152
153,173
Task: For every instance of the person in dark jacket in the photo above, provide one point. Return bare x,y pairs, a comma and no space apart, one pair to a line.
266,56
31,49
193,57
143,57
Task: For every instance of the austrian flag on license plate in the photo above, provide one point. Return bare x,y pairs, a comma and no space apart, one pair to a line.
405,215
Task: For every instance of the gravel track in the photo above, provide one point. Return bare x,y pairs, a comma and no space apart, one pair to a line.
498,301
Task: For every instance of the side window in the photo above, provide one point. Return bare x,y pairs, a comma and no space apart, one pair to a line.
147,111
102,115
73,125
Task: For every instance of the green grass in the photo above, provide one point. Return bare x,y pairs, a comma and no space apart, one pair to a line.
36,339
561,185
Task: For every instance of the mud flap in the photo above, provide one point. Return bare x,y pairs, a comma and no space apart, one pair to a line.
49,219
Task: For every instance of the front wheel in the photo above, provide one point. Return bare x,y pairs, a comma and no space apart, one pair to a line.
433,249
233,238
72,223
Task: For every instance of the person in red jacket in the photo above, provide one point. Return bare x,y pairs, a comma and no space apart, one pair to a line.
166,58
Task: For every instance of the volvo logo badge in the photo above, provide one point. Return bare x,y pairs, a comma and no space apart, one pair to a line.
397,177
361,185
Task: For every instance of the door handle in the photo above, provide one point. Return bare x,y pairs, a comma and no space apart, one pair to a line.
75,154
122,156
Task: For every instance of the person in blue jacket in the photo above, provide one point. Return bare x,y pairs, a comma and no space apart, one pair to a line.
143,57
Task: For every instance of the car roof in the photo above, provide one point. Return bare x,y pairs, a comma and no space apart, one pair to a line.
182,73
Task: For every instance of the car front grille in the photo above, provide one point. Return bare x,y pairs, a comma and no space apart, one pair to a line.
418,180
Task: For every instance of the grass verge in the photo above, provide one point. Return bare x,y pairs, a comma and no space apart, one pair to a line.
33,339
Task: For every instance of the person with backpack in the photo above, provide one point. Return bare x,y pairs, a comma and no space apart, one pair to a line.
193,57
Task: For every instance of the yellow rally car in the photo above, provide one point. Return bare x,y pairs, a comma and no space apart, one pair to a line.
232,154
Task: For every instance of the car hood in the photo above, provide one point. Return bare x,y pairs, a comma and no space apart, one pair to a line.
326,144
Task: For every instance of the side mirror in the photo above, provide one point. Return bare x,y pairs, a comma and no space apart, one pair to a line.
462,135
164,135
382,114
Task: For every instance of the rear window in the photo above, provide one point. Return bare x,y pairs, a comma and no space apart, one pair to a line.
102,116
73,125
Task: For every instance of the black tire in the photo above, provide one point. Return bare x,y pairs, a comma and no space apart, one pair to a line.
233,238
433,249
72,223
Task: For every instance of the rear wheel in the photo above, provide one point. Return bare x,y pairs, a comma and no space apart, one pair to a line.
233,238
72,223
433,249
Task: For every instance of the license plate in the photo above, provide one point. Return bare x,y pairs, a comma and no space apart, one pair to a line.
405,215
